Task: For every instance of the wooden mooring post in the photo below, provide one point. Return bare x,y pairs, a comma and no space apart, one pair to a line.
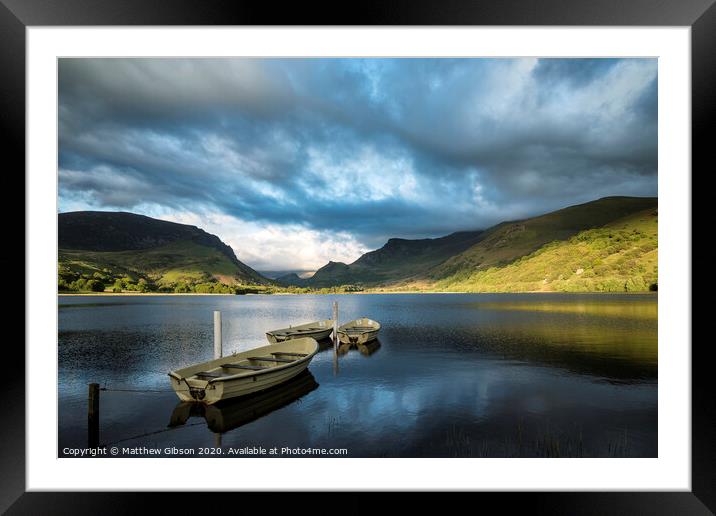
93,416
218,352
335,324
335,361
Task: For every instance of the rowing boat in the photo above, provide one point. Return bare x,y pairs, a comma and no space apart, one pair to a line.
359,331
316,330
243,373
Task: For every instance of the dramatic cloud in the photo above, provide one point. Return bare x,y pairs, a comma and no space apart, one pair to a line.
335,156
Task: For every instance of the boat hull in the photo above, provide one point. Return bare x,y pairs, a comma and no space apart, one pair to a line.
190,388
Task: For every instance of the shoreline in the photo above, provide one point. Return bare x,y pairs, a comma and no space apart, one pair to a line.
149,294
99,294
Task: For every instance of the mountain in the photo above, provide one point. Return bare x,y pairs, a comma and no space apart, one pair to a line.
301,273
112,245
446,262
619,256
333,273
508,241
399,258
291,280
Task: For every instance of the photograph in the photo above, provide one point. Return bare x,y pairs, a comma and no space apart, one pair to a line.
357,257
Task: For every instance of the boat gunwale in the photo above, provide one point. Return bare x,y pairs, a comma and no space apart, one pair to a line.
287,331
346,326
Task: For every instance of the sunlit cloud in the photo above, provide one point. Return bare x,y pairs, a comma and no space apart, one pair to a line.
273,246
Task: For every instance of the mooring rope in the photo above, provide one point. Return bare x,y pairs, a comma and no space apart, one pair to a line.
110,389
163,430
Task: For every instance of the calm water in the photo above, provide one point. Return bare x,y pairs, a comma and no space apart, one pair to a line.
486,375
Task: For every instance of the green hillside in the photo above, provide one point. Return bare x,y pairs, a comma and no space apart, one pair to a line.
620,256
509,241
127,252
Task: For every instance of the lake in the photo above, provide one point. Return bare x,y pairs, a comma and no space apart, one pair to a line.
453,375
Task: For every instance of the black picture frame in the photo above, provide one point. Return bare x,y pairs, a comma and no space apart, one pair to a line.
17,15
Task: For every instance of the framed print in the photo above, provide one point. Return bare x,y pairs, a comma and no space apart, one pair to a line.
419,252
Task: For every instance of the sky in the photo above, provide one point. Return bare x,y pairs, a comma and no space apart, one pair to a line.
295,162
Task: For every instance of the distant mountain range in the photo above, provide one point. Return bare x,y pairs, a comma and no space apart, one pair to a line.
299,273
397,259
292,279
448,260
607,244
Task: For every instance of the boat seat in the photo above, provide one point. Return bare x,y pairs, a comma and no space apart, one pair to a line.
240,366
286,353
206,374
272,359
293,332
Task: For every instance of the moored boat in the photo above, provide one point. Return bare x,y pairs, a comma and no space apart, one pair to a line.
316,330
243,373
359,331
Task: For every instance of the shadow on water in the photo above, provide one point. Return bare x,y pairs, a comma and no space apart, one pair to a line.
228,415
325,345
538,441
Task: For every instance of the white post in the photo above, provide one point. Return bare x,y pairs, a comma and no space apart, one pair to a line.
217,335
335,323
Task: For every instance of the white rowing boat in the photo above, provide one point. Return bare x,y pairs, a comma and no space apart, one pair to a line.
359,331
243,373
316,330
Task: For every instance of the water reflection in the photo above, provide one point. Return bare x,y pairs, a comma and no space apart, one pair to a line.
369,348
366,349
645,309
225,416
